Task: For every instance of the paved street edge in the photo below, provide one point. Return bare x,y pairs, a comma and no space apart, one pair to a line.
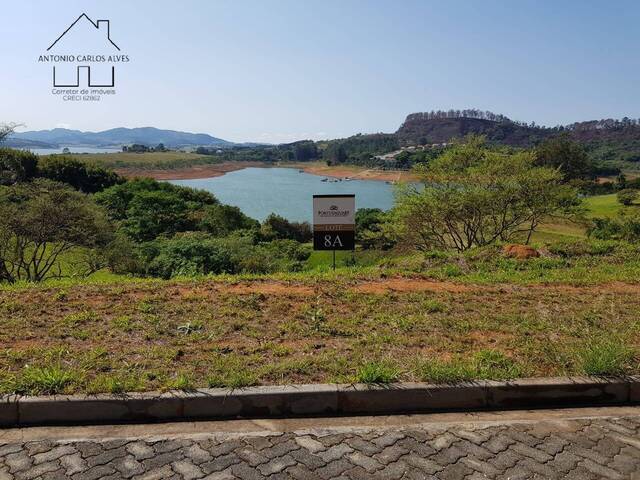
317,400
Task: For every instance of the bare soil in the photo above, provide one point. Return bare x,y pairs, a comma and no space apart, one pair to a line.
159,334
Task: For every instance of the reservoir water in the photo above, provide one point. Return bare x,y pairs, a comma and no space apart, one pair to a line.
287,191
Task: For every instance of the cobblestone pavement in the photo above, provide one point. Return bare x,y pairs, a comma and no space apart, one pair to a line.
575,448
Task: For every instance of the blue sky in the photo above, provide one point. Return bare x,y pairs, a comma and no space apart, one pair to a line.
281,70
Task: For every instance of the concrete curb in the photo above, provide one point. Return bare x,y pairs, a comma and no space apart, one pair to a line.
317,400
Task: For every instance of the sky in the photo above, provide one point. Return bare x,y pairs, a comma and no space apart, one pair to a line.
283,70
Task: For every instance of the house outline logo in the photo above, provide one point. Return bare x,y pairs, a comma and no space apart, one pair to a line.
82,68
96,24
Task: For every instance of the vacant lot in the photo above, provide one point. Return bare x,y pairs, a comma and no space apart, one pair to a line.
182,334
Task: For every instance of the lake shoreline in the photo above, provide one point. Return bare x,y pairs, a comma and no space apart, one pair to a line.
315,168
287,192
190,173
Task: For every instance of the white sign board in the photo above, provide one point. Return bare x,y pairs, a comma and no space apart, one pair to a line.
334,210
334,218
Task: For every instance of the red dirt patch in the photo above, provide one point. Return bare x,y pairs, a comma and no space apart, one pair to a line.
521,252
410,285
196,171
270,288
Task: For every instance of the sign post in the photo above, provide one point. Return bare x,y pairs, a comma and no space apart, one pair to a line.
334,219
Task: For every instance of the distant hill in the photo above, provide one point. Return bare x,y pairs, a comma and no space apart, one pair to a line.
419,128
115,137
607,140
26,143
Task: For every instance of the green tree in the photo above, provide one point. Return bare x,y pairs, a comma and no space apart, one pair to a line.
151,214
334,154
17,166
370,229
474,196
40,221
221,220
276,227
146,208
566,155
624,226
304,150
83,177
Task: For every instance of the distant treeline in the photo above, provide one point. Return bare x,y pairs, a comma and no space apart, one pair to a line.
466,113
357,150
603,124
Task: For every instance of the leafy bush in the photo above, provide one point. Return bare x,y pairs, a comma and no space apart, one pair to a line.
370,231
277,255
276,227
148,208
578,248
153,213
221,220
187,254
627,196
117,198
121,255
83,177
196,253
624,226
17,166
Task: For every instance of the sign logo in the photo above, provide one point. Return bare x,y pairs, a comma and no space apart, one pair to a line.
83,61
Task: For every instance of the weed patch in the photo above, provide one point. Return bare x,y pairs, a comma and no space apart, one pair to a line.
45,380
377,372
608,356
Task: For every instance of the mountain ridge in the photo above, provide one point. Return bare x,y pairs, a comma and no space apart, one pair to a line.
607,141
441,126
114,137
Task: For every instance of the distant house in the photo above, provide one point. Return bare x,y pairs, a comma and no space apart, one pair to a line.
92,69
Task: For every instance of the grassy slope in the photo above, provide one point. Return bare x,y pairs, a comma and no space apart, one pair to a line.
439,319
602,205
148,160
